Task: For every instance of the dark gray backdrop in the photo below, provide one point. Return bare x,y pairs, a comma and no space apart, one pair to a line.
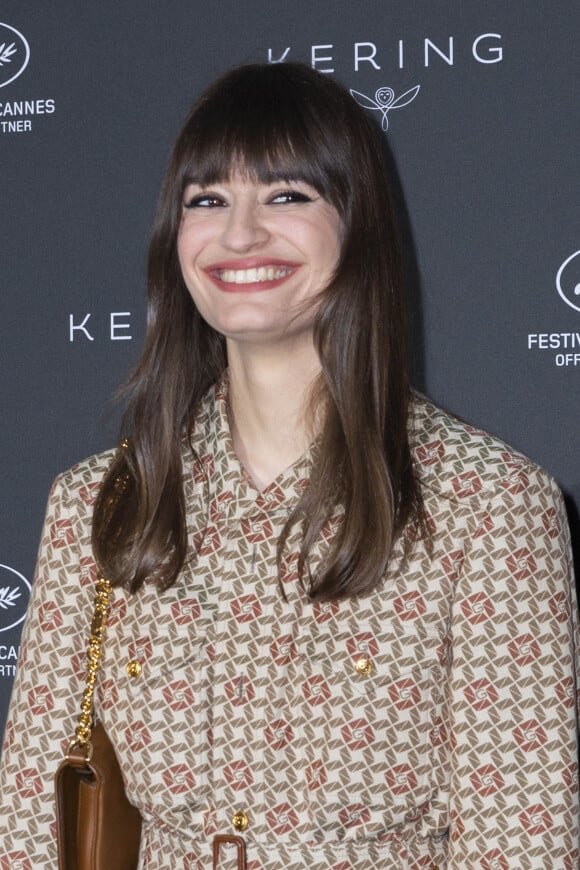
484,160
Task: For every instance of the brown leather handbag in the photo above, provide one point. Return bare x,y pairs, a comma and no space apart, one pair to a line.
97,827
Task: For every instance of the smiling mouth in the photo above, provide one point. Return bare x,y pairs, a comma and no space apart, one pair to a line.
252,276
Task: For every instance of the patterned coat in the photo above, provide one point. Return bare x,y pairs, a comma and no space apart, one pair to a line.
428,725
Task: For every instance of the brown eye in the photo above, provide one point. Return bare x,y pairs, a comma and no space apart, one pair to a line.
204,200
289,196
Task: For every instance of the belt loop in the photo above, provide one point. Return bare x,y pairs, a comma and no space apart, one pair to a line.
238,842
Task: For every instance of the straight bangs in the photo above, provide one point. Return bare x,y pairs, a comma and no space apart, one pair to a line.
267,128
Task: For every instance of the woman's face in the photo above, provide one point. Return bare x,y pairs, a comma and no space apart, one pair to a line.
252,254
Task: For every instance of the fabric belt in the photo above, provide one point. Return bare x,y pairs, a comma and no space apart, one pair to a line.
230,839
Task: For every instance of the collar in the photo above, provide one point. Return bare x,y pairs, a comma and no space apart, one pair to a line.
227,485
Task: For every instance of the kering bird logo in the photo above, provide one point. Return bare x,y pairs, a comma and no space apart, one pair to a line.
385,101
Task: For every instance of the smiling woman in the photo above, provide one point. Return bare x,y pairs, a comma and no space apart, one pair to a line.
241,238
323,354
343,633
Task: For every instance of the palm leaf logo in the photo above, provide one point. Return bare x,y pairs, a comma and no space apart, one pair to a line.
14,54
6,52
8,597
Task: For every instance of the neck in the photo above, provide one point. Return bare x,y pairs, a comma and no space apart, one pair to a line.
269,408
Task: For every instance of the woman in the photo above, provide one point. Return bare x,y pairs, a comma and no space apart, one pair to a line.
344,626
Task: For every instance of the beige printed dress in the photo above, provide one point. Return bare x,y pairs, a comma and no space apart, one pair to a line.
431,724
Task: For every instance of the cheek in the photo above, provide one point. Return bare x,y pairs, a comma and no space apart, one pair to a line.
328,250
330,236
186,255
192,238
184,246
181,246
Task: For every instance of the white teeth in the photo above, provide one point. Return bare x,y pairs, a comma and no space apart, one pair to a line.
253,276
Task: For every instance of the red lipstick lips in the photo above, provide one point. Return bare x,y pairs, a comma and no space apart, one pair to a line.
250,275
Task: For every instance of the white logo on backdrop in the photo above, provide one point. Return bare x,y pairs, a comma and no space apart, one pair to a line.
486,49
568,281
14,54
14,592
384,101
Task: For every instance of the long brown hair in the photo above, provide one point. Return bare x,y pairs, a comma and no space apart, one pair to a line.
282,121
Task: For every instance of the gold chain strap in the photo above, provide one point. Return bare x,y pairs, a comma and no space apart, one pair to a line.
84,729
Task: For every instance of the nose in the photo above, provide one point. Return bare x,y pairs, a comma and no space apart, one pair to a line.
244,228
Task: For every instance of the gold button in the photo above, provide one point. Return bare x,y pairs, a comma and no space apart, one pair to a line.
363,666
240,821
134,669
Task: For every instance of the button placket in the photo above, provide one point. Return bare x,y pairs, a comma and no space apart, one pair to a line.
134,669
240,821
233,686
364,666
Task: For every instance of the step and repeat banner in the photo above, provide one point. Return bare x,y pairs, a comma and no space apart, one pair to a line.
478,103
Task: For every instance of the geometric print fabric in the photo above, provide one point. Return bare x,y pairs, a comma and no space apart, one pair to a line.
452,746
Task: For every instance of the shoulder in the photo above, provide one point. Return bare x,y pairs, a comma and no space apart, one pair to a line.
82,481
69,512
457,461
